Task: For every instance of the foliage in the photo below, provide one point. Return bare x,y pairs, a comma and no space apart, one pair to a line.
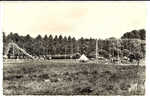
59,45
135,34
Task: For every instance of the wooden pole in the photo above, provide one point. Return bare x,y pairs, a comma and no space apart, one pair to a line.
13,50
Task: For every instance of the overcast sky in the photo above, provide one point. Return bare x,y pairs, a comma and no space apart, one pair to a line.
79,19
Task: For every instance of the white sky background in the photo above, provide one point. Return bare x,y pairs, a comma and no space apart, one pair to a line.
79,19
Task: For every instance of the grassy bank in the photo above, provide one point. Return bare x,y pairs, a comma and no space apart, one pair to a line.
52,78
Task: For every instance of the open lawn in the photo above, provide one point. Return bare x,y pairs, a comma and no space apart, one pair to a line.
69,77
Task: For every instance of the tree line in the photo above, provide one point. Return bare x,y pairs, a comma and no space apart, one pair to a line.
61,45
135,34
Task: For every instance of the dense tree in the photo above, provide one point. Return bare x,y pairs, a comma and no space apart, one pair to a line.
135,34
4,42
4,37
10,37
65,42
104,53
38,47
28,44
59,45
82,45
142,33
125,52
45,44
50,44
16,37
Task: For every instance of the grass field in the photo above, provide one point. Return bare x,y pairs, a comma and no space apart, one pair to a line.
66,77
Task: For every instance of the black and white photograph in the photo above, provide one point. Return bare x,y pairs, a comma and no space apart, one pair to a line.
74,48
